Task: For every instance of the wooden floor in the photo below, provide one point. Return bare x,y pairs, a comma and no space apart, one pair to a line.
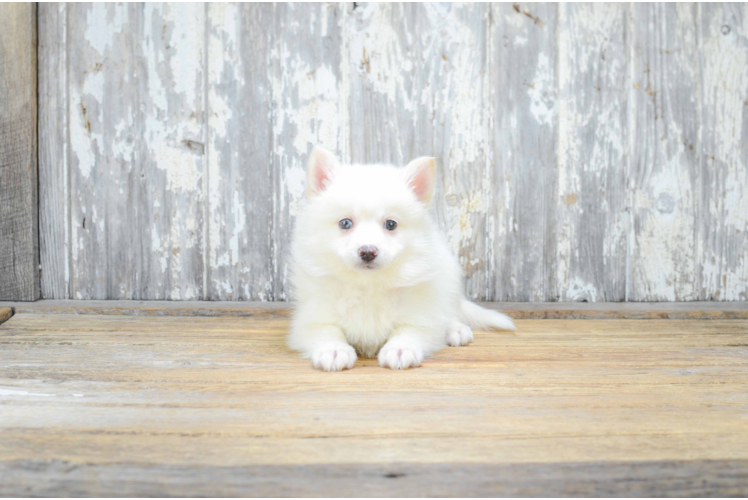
123,405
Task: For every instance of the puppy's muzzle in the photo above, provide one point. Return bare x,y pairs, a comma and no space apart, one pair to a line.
367,253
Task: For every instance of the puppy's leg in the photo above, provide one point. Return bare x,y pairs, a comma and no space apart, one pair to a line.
326,346
404,350
459,334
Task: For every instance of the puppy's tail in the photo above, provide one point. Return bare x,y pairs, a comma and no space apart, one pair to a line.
479,318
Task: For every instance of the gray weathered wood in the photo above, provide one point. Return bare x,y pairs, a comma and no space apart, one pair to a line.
54,199
240,207
419,86
665,100
584,152
724,152
525,101
670,478
135,99
383,63
308,98
274,78
592,217
19,242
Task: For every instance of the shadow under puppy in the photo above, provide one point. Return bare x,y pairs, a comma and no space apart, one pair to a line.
371,273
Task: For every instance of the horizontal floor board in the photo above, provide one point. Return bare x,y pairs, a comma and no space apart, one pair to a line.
518,310
594,407
698,478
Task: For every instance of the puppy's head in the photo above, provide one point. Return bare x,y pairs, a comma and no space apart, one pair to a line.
364,219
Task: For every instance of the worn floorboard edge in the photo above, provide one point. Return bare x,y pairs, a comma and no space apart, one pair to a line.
697,478
5,314
517,310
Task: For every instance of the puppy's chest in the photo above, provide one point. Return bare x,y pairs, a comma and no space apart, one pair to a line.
367,316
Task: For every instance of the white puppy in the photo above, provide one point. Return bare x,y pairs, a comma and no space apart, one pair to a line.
371,273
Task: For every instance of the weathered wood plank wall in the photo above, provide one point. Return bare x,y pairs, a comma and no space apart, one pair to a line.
586,152
19,233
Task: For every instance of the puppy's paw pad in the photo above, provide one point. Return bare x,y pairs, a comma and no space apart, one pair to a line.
400,357
459,334
334,356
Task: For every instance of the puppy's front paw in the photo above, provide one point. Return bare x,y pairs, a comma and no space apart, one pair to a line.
459,334
334,356
399,356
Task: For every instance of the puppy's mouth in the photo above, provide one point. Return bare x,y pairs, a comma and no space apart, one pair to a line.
369,266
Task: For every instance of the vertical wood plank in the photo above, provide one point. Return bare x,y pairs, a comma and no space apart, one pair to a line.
240,186
592,202
308,109
665,175
525,126
383,64
724,152
136,143
19,231
54,237
419,86
104,201
274,77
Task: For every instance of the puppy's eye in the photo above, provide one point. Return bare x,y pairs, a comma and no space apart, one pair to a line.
390,225
345,224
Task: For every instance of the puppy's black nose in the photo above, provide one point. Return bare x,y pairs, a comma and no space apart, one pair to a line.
368,253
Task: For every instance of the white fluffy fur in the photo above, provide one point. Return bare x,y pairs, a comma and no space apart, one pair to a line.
405,304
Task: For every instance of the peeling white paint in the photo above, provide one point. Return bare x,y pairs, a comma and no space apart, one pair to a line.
590,204
85,138
427,75
725,56
186,47
542,92
666,189
222,49
379,51
103,23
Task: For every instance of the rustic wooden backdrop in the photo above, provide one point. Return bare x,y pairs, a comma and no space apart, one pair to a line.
19,251
586,152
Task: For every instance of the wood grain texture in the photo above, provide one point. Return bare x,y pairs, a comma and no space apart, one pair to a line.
274,79
19,222
592,202
5,314
724,152
306,66
665,176
240,201
585,153
419,85
525,127
698,478
54,172
136,95
211,397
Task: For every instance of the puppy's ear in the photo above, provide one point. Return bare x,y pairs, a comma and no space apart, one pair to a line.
421,175
319,173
